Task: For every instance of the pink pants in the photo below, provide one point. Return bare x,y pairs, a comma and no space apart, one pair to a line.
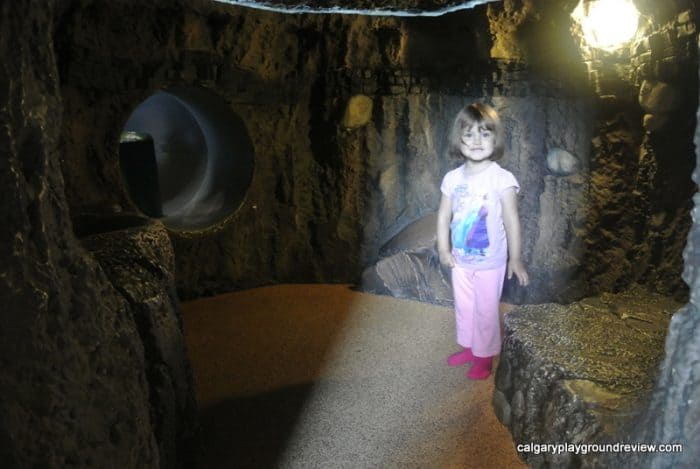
477,294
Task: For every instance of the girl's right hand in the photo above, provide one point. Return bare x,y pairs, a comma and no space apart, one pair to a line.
447,259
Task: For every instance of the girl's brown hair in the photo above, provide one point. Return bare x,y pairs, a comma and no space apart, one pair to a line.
483,115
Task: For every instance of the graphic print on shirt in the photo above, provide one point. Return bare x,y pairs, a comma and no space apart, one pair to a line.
469,230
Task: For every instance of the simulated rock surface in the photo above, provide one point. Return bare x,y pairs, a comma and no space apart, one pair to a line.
336,178
410,267
74,390
412,275
579,373
86,383
138,261
673,414
598,371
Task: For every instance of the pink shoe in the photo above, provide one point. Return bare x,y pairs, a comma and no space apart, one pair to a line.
481,368
460,358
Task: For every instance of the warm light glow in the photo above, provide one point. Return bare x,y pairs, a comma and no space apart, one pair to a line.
607,24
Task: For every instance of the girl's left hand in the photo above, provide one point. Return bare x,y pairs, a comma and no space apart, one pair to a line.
515,266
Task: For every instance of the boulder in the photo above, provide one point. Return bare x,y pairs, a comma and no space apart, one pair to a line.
410,267
561,162
137,258
358,112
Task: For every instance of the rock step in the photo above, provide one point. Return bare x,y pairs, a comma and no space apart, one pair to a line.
579,373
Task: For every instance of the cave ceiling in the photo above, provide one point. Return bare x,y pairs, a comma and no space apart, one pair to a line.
363,7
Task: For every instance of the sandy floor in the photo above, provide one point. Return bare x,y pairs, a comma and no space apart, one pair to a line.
323,376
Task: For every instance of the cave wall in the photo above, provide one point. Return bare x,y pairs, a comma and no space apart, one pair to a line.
333,181
597,371
615,222
348,117
643,146
78,378
73,390
324,197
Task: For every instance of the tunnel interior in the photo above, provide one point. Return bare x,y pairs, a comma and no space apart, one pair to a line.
201,158
343,120
213,147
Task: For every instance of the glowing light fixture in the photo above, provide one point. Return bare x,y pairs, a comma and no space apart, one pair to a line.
607,24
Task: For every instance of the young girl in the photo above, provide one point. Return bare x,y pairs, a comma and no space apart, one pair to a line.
478,217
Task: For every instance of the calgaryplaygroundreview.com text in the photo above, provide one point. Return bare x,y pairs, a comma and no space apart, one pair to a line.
559,448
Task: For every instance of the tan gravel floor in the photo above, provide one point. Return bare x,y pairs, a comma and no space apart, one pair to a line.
301,376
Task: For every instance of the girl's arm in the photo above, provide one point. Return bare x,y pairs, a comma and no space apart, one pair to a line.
443,231
509,203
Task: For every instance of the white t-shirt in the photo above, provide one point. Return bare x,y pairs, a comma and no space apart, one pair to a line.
476,230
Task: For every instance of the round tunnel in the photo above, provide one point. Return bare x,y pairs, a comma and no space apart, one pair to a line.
186,158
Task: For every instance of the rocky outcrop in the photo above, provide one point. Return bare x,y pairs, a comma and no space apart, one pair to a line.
579,373
77,384
598,371
672,414
410,267
136,255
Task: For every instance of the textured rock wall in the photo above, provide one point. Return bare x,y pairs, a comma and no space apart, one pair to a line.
137,258
643,146
618,387
615,222
94,371
84,380
73,390
332,183
348,117
323,197
604,218
673,414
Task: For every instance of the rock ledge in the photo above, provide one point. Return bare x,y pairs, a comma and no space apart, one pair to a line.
579,373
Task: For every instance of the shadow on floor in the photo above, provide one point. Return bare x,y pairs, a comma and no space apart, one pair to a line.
252,431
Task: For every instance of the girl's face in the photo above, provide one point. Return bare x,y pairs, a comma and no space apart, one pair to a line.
477,142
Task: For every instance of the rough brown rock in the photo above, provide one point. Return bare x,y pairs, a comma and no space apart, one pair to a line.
326,195
579,373
674,407
73,390
137,258
77,386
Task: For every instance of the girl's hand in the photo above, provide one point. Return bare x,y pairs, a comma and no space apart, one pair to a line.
447,259
515,266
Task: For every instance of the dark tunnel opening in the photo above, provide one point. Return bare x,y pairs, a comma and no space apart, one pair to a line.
186,157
